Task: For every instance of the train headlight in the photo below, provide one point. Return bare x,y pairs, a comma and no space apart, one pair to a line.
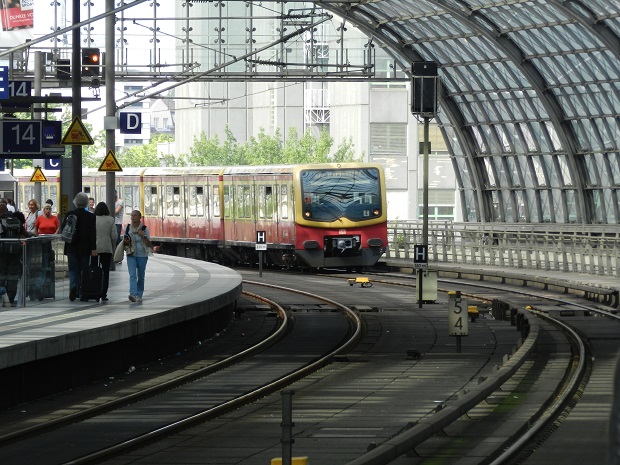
307,214
375,242
376,212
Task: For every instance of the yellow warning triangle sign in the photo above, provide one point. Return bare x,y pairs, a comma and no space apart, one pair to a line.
38,175
77,134
110,163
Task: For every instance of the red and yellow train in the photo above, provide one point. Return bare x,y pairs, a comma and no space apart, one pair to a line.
319,216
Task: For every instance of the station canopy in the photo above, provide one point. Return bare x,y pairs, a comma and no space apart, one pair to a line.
529,99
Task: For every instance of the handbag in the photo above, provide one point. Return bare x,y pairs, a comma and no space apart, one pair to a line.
119,253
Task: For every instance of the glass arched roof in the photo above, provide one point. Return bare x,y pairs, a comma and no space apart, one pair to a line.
529,100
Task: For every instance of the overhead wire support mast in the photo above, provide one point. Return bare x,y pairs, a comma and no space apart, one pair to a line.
327,17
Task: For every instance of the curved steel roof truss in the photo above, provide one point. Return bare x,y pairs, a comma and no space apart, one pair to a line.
529,103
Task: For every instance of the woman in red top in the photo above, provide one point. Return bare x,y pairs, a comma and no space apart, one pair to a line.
46,223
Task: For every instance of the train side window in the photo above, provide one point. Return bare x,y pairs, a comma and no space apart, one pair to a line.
28,194
200,201
173,200
131,199
244,202
86,190
150,201
265,202
284,200
228,202
196,201
268,202
261,202
216,201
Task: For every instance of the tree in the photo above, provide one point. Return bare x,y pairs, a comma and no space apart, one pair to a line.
143,155
265,149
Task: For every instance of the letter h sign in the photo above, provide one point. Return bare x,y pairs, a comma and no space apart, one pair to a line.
420,254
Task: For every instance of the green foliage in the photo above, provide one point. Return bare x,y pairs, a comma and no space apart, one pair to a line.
144,155
265,149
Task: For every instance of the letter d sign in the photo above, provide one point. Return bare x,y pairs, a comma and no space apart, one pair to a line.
131,123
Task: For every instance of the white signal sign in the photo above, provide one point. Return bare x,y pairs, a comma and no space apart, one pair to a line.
261,240
457,316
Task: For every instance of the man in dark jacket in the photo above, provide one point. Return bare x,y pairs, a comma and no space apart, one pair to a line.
83,246
10,254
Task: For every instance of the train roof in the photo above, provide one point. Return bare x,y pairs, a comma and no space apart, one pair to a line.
183,170
270,169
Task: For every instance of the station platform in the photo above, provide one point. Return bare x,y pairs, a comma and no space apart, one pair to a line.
600,288
69,343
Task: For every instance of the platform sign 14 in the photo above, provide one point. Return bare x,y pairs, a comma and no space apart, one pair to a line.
20,137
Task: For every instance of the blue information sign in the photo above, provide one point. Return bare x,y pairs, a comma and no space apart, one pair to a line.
21,137
52,163
131,123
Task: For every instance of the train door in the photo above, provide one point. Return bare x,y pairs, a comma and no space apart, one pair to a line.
216,212
266,211
285,212
153,216
198,220
174,226
244,224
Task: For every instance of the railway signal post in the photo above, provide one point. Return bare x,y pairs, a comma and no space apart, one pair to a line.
261,245
424,87
457,317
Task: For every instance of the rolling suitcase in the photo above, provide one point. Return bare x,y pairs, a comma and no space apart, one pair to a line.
91,284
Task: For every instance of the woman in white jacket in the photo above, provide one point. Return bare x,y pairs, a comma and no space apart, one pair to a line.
106,243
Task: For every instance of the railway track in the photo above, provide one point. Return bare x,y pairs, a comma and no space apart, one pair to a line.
557,373
223,385
559,378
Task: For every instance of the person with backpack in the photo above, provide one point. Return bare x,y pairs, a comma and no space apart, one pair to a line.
80,243
11,229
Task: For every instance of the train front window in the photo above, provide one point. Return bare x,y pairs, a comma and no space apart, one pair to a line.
328,195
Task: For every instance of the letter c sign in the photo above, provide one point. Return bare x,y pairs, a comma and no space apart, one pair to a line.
131,123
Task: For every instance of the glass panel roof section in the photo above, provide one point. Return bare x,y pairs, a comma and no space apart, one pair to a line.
525,79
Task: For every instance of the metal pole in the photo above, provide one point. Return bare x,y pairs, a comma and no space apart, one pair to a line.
39,67
110,101
424,204
287,427
76,106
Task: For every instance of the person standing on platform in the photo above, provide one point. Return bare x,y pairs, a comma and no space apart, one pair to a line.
106,243
11,227
47,223
91,205
83,245
34,211
118,216
138,239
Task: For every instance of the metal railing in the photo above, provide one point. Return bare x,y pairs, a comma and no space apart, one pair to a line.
36,267
591,249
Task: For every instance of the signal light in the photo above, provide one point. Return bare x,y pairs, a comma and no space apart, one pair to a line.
91,61
63,69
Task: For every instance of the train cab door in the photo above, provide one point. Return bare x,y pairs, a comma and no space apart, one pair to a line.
266,208
285,211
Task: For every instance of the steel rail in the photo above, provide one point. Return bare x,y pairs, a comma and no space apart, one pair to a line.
240,400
